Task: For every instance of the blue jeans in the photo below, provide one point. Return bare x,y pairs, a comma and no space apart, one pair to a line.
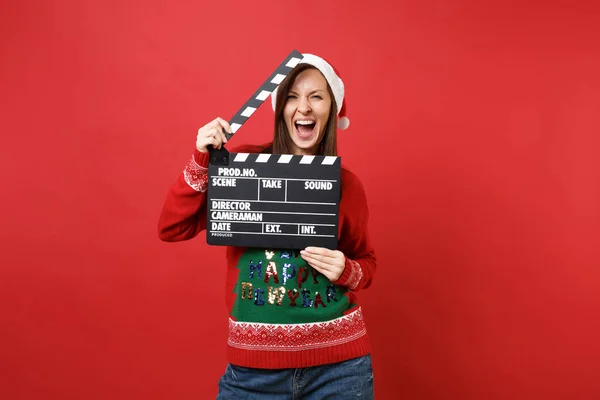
343,380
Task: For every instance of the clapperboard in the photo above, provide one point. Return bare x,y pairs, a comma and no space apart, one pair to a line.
269,200
278,201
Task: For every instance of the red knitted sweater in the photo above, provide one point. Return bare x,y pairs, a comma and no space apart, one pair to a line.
283,313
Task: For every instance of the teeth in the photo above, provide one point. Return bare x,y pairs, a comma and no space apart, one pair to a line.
305,122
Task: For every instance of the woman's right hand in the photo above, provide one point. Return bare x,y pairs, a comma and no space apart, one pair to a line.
212,134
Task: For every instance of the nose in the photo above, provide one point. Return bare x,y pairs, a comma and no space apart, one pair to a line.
304,105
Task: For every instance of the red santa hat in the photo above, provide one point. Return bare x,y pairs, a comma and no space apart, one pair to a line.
334,81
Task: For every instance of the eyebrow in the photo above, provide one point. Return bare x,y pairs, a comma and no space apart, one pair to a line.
313,92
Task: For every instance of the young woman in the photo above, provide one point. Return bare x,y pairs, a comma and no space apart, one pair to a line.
296,329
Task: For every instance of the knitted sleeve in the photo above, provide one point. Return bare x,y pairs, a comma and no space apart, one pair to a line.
184,212
354,236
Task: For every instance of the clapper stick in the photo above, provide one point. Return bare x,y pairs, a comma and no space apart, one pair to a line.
221,156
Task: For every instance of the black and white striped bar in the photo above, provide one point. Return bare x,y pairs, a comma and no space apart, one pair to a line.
274,201
263,92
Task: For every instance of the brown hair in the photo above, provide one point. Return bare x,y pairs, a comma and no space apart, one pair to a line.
282,142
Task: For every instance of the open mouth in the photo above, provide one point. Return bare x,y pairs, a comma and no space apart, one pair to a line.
304,128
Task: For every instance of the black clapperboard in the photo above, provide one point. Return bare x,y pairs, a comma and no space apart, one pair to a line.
274,201
270,200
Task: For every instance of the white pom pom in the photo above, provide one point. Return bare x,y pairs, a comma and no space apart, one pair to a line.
343,123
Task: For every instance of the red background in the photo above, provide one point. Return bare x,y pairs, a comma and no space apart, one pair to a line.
474,128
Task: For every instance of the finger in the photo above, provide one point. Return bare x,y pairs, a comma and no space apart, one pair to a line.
318,268
206,129
215,142
224,124
212,139
316,263
206,132
203,143
317,250
313,257
320,253
325,272
219,132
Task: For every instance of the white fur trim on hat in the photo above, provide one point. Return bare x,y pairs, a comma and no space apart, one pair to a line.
334,81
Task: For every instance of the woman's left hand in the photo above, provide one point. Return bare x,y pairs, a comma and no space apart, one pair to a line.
330,263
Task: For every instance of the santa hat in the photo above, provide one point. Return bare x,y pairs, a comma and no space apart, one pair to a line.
334,81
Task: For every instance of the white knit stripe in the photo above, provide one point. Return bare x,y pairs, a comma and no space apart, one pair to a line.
330,343
295,337
195,176
356,275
